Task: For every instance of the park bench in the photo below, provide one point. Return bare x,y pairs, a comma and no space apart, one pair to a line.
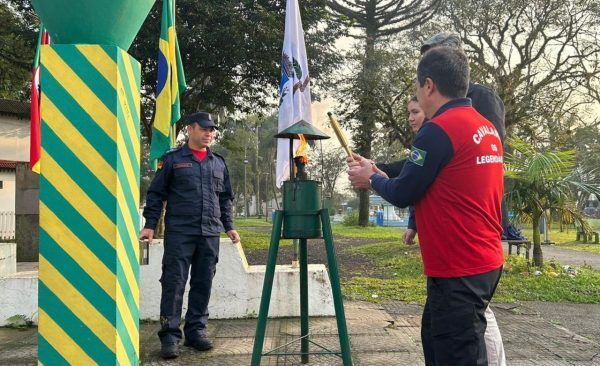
519,244
581,236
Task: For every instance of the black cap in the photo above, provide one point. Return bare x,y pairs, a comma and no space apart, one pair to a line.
203,119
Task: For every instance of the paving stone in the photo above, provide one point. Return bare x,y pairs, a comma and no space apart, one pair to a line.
380,334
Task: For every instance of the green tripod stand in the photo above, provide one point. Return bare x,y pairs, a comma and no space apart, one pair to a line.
304,318
302,218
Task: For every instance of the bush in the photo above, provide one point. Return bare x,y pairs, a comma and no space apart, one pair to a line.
351,220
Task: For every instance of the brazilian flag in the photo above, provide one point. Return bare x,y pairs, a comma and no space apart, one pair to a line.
170,84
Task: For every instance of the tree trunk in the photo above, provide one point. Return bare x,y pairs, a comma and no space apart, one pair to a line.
538,257
366,112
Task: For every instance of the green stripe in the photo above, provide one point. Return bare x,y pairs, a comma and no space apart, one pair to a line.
128,194
88,73
72,111
129,300
47,354
135,69
126,339
77,276
77,224
137,74
132,260
110,52
80,173
127,241
134,117
121,164
74,327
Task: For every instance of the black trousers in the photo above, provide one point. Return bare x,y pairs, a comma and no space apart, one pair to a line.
453,324
183,251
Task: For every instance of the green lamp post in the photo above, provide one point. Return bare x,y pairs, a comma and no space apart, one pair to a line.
89,183
302,217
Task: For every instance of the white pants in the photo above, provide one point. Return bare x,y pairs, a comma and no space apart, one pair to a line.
493,341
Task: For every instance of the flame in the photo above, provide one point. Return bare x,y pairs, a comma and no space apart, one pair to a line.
301,152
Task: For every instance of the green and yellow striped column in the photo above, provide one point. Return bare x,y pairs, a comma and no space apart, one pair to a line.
89,218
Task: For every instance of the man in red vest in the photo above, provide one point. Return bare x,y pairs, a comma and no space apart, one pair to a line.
454,178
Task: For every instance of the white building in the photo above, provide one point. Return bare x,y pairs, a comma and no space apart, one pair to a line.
14,148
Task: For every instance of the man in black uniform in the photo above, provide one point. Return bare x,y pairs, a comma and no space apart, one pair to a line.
194,182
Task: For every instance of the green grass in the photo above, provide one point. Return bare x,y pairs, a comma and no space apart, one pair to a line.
520,283
594,223
257,240
251,222
399,276
397,273
566,239
590,248
370,232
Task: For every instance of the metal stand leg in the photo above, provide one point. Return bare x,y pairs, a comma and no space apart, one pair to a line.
265,300
304,299
338,303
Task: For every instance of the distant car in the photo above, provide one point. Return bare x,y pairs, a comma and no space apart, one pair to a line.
590,211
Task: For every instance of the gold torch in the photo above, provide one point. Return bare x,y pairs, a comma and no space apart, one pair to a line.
339,133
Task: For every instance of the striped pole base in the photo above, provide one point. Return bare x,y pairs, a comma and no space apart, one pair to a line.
89,195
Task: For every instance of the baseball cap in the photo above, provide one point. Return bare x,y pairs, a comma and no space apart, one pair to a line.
442,39
203,119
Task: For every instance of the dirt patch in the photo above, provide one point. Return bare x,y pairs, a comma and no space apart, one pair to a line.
350,264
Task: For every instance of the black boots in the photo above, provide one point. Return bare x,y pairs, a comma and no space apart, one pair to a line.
201,343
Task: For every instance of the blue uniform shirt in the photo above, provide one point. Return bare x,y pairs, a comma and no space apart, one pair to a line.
198,194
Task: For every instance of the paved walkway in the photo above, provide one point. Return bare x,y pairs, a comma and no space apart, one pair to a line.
566,256
381,334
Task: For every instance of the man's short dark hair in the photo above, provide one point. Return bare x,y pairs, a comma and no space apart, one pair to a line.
448,68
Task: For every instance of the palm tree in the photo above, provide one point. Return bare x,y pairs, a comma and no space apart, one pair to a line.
544,183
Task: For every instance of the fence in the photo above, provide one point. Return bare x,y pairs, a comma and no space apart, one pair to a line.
7,225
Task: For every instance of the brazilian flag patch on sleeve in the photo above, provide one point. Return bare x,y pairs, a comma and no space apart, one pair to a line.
417,156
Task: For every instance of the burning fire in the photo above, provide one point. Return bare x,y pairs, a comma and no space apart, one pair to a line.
301,152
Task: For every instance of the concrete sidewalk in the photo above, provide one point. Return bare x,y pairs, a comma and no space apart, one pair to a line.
381,334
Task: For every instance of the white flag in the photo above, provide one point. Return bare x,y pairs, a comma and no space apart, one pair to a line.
294,88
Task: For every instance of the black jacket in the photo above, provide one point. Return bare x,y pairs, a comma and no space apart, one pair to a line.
198,194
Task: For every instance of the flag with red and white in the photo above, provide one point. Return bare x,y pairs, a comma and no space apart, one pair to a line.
35,148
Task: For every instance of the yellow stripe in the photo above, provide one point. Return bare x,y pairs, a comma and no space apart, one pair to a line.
128,270
173,65
128,114
129,64
95,268
162,119
130,176
78,304
129,321
61,342
78,251
121,351
77,143
101,61
78,198
36,167
84,96
128,317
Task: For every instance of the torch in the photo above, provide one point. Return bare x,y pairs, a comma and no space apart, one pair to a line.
339,133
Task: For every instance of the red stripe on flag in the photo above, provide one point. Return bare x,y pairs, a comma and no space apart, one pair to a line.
35,146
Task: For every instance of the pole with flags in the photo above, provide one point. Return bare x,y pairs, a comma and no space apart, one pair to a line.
35,146
170,84
294,87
